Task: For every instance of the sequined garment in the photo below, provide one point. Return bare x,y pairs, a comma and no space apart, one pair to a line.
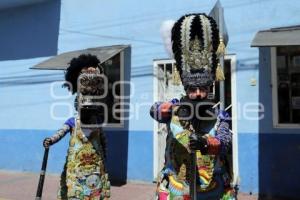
213,181
84,175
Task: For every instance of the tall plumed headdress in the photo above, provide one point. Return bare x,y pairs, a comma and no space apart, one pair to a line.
195,41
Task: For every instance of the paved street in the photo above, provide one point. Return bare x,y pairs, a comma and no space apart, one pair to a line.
16,186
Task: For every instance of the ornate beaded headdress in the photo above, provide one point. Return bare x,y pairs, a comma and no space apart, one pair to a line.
195,42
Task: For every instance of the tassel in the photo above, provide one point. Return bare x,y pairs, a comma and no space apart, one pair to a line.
219,73
221,48
176,76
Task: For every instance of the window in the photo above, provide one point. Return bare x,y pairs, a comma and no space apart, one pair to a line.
286,86
112,68
117,99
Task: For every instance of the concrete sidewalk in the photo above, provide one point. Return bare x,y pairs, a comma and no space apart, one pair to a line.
17,186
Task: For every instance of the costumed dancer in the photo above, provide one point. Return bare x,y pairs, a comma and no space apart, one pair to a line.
194,125
84,175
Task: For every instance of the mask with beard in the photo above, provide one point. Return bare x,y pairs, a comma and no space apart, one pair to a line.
198,112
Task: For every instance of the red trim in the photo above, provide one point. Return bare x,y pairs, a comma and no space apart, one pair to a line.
165,109
214,146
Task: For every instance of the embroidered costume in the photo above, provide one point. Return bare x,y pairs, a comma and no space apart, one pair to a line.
84,176
213,181
193,124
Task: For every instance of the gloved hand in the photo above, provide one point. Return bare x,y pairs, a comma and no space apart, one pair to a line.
166,109
47,142
162,111
198,142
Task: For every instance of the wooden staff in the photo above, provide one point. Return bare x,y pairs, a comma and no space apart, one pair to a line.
193,171
39,191
193,178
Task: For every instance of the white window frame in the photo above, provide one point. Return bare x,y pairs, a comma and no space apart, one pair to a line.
275,111
156,63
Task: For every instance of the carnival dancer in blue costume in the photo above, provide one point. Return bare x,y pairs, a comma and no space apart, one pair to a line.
194,125
84,175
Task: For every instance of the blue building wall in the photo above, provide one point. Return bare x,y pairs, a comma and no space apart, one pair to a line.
26,100
247,126
127,159
29,31
279,152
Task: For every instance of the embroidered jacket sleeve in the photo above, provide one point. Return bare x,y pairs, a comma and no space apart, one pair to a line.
162,111
222,141
66,128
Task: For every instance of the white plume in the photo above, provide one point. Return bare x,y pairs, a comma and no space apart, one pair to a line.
165,32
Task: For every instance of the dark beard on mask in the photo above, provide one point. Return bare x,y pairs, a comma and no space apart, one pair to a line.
199,112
